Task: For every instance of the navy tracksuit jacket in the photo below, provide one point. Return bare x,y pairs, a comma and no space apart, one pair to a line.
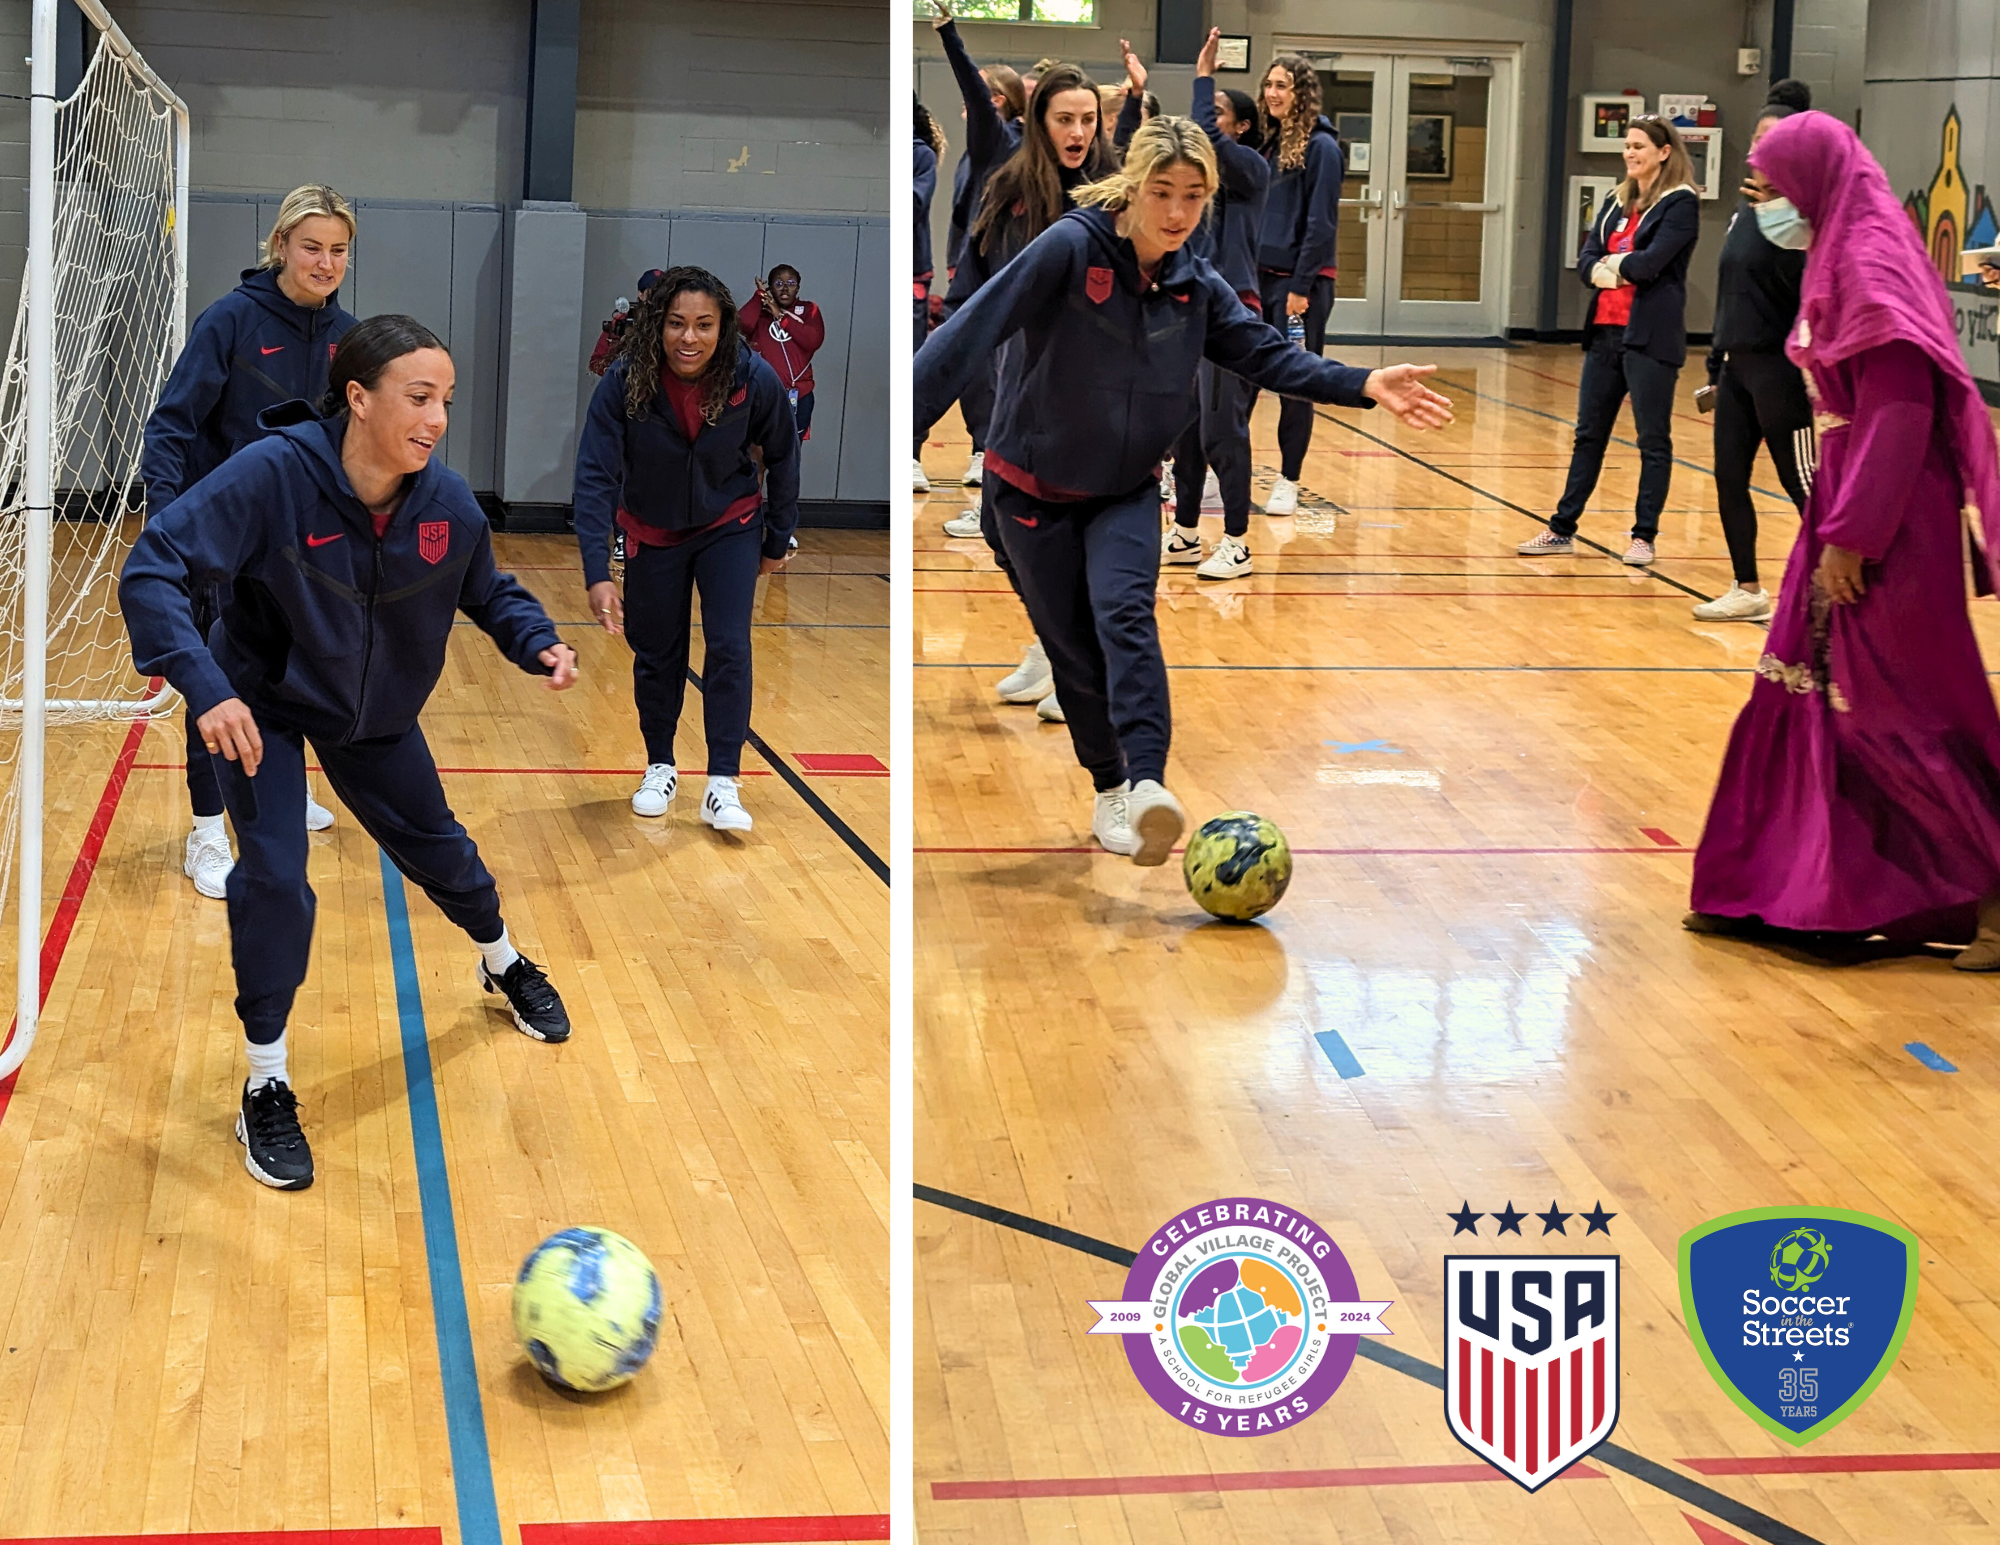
328,634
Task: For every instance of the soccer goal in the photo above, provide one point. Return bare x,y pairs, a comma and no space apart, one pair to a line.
102,315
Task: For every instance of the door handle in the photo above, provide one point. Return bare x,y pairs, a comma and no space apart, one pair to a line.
1477,209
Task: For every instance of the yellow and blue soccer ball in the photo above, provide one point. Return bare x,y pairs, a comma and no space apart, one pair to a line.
1237,866
587,1308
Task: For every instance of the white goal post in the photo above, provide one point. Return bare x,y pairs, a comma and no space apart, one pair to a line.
102,318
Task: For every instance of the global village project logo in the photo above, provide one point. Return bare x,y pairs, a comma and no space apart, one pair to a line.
1240,1317
1798,1313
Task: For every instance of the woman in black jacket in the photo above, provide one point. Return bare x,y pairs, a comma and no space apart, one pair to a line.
1635,333
1760,397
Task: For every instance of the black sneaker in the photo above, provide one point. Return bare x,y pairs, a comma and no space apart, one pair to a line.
274,1149
538,1011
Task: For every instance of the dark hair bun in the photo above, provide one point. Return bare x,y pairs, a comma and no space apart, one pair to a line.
368,349
1795,94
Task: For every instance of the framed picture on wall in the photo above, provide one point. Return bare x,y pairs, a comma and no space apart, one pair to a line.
1704,147
1605,120
1232,52
1429,147
1356,130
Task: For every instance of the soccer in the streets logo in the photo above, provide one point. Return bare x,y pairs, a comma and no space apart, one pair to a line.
1798,1313
1240,1316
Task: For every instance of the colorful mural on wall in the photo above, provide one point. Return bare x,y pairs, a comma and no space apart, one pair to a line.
1950,218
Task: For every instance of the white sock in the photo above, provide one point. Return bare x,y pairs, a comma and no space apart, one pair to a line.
500,954
267,1063
208,823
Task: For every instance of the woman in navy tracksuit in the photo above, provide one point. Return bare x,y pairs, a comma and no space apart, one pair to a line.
1635,333
994,103
670,452
1295,252
270,340
344,552
1100,325
1220,438
928,145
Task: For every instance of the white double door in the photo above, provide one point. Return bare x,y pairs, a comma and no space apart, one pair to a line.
1424,221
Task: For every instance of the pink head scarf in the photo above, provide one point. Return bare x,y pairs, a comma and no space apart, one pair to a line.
1870,282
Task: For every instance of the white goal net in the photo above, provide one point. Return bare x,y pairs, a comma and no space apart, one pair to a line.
100,322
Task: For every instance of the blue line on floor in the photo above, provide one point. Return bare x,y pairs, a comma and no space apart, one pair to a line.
465,1418
1337,1053
1929,1058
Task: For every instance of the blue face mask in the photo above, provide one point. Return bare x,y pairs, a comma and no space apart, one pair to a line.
1783,225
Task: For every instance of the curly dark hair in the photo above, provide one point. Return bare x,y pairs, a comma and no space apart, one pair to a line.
1291,135
645,354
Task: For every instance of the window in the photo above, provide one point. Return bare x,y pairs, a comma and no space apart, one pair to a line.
1068,13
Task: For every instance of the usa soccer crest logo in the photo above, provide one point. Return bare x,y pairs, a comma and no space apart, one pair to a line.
1531,1359
433,539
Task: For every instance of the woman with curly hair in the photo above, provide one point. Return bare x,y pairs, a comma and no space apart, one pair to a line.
1295,251
670,453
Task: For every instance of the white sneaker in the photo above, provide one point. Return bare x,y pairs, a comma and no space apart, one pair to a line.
1049,711
1109,825
1230,560
919,481
1156,819
318,817
1180,545
1211,490
1031,681
206,861
656,790
963,525
975,470
1284,498
1736,605
722,806
1167,481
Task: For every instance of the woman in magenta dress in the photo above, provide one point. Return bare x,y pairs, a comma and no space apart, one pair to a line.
1861,789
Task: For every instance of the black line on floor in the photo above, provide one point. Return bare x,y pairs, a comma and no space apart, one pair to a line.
1681,1488
818,806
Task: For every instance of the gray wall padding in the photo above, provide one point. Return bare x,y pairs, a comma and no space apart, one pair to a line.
538,406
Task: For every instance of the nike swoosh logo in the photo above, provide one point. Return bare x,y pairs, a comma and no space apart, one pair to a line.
278,350
321,541
1030,521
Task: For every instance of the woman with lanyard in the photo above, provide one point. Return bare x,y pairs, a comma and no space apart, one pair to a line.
1063,149
1635,334
670,453
347,553
786,333
1759,396
1860,792
1295,253
1100,325
994,99
270,340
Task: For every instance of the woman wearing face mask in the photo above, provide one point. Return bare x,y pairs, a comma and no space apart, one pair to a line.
347,552
1861,789
1635,334
1295,254
1062,149
1760,397
1100,326
270,340
669,453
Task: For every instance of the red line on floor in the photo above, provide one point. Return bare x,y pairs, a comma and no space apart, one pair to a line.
56,940
1252,1480
1842,1464
713,1531
1658,836
426,1535
1357,852
554,772
1567,597
839,762
1708,1534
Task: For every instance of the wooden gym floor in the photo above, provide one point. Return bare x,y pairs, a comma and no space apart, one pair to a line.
1493,772
186,1351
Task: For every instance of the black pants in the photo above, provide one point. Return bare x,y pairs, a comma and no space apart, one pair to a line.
391,787
660,585
1219,438
1610,371
1759,398
989,530
1088,572
204,793
1295,417
975,403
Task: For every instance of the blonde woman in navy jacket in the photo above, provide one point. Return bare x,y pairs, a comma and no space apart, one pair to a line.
1100,326
1635,334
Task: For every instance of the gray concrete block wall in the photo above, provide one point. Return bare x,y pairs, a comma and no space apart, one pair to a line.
757,105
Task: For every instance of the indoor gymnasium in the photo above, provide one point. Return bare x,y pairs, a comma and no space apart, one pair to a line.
452,201
1595,964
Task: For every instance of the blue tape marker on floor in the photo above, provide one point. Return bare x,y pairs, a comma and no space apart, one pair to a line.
1929,1058
1338,1054
465,1418
1349,747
